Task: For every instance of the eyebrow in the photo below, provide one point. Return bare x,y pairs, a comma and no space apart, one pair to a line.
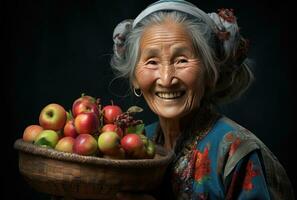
151,52
181,50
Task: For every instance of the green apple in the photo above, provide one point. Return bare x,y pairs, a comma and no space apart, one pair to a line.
150,149
47,138
109,142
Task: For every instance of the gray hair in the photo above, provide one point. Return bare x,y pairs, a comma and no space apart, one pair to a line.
227,78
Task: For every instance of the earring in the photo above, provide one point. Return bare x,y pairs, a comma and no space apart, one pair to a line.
139,94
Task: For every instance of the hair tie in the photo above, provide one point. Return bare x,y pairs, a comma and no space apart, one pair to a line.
119,36
228,32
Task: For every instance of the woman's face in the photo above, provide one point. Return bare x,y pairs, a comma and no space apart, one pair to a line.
169,73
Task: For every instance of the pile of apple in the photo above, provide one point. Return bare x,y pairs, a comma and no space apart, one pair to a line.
91,129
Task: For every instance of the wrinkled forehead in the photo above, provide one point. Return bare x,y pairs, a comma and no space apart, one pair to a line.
172,40
168,32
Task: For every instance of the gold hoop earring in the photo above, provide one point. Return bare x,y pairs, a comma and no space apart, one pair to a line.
137,94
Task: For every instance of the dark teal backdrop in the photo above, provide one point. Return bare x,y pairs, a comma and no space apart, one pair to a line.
57,50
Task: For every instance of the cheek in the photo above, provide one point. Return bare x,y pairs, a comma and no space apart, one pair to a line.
193,78
145,78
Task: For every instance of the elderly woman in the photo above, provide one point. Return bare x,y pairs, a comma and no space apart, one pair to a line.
185,62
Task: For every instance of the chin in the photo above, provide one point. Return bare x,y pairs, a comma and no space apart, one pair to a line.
171,113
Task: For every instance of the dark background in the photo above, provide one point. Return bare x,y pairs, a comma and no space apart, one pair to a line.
56,50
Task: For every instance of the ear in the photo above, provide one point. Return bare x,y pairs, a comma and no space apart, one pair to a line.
135,83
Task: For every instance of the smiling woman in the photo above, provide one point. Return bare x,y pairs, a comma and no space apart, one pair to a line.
168,72
185,62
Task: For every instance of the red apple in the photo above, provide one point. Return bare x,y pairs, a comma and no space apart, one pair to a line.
117,154
108,142
110,112
53,117
31,132
69,129
85,144
47,138
83,104
86,123
65,144
133,145
112,127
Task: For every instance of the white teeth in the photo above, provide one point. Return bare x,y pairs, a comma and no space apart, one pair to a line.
169,95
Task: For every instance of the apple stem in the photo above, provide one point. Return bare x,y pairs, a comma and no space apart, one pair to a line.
111,101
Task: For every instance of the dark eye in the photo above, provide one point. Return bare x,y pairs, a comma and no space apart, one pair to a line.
182,60
151,62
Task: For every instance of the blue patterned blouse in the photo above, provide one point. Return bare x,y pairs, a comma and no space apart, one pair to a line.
228,162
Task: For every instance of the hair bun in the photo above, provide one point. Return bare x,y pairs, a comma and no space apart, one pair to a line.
119,36
228,31
235,46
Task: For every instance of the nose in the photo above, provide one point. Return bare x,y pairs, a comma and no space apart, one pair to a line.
167,76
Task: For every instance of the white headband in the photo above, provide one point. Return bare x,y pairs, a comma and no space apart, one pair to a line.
177,5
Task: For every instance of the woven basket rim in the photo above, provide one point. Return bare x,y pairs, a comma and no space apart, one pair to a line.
164,157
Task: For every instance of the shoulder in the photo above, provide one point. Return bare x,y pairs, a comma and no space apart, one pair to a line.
228,131
229,142
233,142
233,139
239,144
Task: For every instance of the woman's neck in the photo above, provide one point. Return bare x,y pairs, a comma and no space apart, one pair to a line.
171,130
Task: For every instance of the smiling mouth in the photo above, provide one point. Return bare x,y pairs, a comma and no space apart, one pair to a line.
170,95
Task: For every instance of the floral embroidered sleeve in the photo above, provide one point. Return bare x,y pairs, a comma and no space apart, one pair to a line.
247,181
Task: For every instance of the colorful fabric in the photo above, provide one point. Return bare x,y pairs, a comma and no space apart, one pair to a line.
228,163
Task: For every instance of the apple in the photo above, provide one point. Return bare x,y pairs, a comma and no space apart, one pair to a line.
150,149
85,144
109,142
133,145
117,154
47,138
112,127
65,144
69,129
31,132
110,112
53,117
83,104
86,123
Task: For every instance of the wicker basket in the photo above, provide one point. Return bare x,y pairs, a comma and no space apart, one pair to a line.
88,177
